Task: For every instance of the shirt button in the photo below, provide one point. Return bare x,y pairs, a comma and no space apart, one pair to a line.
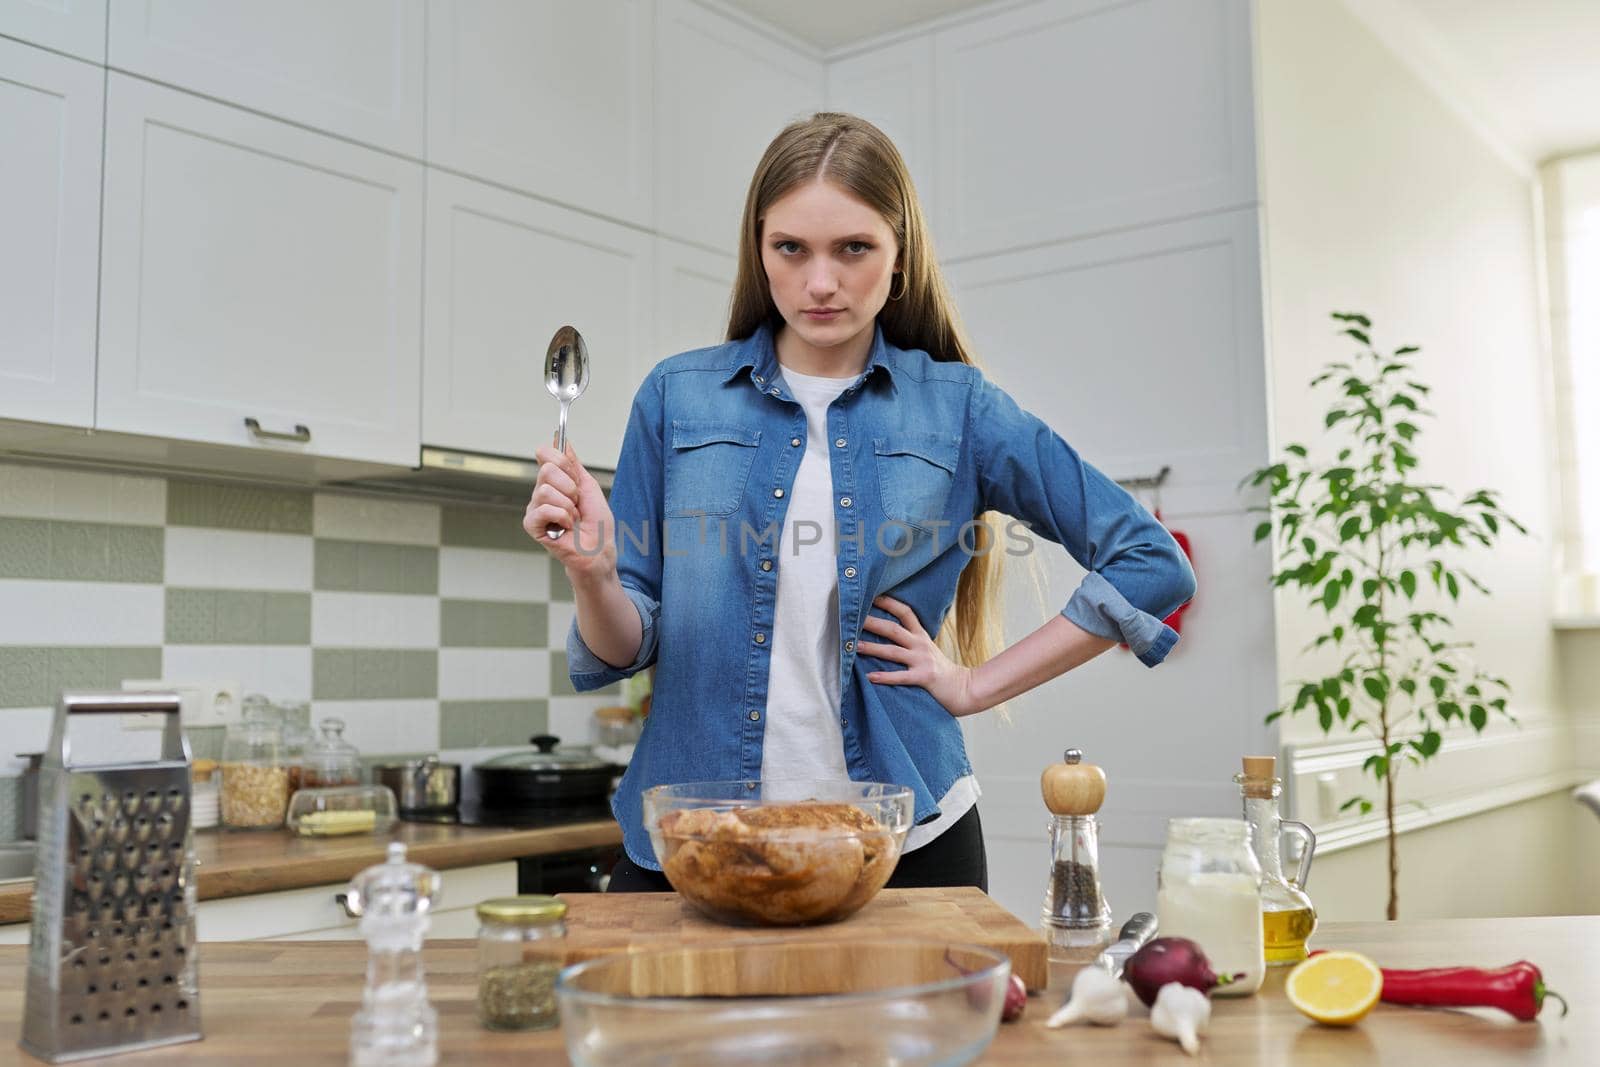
755,716
759,379
777,492
842,724
849,572
849,646
774,392
766,564
761,639
844,502
795,441
838,443
750,785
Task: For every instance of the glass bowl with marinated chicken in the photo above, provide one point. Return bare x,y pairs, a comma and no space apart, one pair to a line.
778,853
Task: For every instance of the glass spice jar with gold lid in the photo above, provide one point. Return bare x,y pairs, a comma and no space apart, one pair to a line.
520,953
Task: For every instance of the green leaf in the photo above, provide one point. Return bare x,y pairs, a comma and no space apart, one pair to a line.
1376,688
1369,588
1378,765
1491,522
1431,740
1359,336
1324,715
1406,350
1334,417
1274,717
1355,317
1408,584
1296,450
1350,528
1478,717
1453,586
1330,595
1263,531
1408,686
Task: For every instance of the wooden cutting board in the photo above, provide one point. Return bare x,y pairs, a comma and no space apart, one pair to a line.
603,924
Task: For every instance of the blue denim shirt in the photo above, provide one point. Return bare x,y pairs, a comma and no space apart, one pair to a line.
919,448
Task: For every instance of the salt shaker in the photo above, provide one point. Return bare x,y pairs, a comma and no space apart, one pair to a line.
1076,919
396,1026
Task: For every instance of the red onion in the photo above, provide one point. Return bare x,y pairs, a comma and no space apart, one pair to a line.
1016,1000
1171,959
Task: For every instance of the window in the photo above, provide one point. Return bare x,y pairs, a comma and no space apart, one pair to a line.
1572,239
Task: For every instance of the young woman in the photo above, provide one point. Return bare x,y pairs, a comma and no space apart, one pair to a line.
792,535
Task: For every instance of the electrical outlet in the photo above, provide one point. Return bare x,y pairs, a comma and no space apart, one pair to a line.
1327,795
202,703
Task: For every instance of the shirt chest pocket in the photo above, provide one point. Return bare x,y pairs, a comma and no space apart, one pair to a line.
915,473
708,466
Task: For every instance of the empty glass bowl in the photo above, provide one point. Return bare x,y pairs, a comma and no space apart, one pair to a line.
807,1004
778,853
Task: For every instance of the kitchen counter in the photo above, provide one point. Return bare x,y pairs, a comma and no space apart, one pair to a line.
249,989
237,864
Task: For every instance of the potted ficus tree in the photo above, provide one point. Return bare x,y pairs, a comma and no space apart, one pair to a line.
1373,548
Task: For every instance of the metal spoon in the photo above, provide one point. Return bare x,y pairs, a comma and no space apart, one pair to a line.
566,376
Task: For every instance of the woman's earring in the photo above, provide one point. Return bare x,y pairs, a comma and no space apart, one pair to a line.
903,287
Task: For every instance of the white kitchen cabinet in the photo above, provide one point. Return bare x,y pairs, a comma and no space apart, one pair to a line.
723,92
1069,330
252,270
51,111
354,68
1150,118
504,272
693,291
546,96
76,27
314,913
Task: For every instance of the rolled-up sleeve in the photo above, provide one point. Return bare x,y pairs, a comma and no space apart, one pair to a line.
635,502
1137,573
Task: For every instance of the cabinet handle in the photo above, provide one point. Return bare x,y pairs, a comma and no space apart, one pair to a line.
301,435
343,900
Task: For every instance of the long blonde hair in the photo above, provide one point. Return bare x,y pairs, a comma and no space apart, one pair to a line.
859,158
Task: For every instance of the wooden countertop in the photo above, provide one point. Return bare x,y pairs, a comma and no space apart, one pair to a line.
250,989
237,864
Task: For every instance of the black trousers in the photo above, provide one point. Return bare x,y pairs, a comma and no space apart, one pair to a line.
954,858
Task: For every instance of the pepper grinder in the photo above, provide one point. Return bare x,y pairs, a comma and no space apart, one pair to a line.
396,1026
1077,919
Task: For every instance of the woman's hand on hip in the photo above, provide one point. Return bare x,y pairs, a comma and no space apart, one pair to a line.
925,662
566,497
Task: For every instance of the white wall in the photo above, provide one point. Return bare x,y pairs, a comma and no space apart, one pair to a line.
1379,199
1105,263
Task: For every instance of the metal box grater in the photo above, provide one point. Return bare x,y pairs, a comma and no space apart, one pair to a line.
111,963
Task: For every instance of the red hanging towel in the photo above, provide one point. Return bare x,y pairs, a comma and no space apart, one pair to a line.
1175,620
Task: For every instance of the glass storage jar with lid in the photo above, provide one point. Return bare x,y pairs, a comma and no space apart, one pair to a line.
520,953
1209,891
330,760
295,722
255,781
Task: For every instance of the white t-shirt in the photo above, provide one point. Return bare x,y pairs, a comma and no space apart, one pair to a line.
802,737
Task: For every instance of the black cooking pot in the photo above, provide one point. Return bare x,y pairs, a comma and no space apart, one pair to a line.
545,776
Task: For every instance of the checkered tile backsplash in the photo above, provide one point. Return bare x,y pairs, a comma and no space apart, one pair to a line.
425,627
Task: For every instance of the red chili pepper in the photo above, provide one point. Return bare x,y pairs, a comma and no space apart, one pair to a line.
1518,989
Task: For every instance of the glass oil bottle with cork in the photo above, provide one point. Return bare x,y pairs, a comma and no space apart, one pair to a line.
1287,916
1076,919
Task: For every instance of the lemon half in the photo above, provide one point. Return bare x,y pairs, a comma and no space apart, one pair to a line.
1335,988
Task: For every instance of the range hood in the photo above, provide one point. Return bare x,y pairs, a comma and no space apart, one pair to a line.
474,477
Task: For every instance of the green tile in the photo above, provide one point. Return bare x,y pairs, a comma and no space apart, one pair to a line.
371,567
485,528
560,585
237,617
33,676
237,507
486,723
561,681
10,809
81,551
493,624
374,674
